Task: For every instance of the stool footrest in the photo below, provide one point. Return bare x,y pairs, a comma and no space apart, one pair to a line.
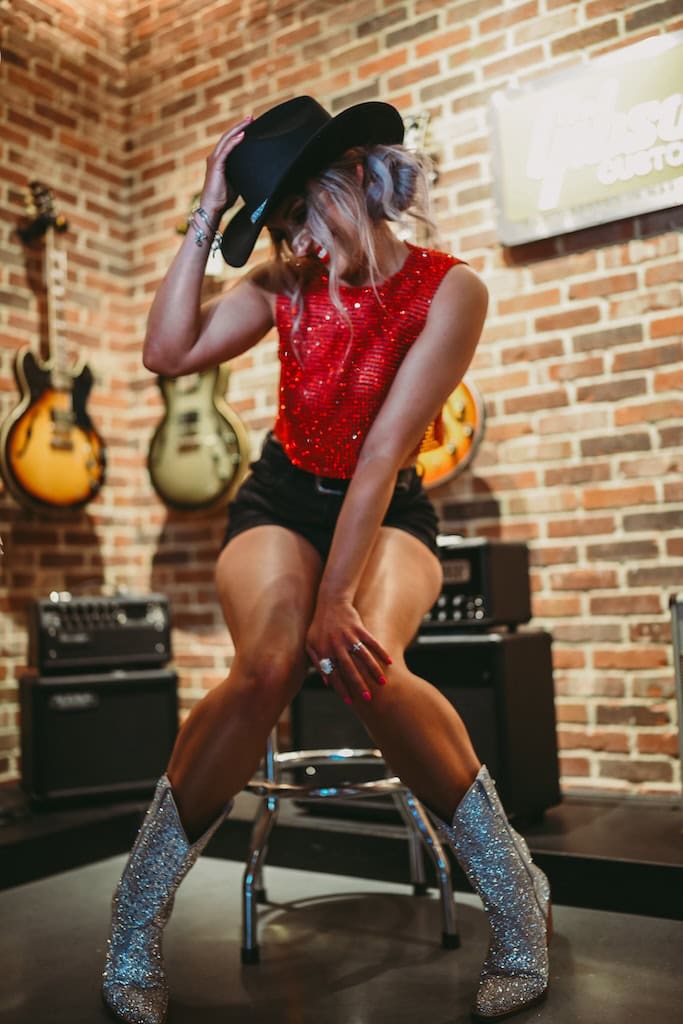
377,787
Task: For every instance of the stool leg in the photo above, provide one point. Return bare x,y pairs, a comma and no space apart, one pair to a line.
415,852
450,938
251,881
253,890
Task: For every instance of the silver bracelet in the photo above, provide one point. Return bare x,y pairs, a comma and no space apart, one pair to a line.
200,235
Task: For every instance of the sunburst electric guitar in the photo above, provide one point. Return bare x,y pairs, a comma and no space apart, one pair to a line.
449,449
200,448
51,457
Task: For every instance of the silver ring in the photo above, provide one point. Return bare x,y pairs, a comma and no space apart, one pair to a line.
355,648
326,666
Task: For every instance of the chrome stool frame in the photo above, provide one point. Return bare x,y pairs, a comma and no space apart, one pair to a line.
421,833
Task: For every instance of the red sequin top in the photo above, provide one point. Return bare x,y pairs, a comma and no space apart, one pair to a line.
333,381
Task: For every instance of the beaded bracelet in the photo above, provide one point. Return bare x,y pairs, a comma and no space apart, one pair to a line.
200,235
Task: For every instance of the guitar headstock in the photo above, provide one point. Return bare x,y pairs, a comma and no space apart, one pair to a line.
42,215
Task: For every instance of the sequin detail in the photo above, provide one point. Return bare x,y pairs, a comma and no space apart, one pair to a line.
516,897
134,982
335,374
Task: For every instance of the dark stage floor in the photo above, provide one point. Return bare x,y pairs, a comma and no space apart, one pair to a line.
335,950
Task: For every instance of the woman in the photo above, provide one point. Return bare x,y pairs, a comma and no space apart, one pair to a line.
330,550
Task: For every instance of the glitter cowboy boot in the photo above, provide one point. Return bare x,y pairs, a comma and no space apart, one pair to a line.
516,897
134,988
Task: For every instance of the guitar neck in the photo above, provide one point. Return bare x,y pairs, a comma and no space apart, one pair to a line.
55,279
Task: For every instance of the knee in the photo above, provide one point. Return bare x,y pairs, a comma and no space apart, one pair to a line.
269,679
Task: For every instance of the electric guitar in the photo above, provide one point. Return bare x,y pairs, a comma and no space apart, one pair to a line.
200,448
449,448
51,457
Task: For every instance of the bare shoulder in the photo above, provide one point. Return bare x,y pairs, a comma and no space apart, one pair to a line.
461,290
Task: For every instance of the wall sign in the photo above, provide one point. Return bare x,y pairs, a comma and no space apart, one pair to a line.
590,145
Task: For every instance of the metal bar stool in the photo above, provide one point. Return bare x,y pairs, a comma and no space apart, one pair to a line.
420,830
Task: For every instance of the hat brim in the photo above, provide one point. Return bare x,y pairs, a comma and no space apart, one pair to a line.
371,123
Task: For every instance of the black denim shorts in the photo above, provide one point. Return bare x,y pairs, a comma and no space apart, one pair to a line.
279,493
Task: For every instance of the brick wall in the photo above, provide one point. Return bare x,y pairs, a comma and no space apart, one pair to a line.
116,105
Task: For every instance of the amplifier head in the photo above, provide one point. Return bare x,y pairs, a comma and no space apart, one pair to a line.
79,632
485,583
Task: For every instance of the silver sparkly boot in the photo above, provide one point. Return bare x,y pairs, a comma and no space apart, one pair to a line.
516,897
134,988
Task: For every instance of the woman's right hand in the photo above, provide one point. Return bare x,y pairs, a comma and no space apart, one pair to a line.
217,196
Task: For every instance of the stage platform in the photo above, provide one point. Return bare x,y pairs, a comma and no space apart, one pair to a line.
335,950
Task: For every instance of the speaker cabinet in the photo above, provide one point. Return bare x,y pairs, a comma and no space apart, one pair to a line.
502,686
99,735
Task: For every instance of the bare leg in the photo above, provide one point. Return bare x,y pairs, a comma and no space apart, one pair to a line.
267,579
419,731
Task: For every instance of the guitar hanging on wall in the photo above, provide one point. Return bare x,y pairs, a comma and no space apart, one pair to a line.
200,447
447,451
199,450
51,457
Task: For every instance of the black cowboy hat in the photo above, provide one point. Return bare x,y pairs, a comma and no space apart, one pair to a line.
288,144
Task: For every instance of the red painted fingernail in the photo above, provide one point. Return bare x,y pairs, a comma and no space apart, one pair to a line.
347,700
366,695
389,661
382,680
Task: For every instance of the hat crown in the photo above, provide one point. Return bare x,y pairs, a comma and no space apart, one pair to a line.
271,143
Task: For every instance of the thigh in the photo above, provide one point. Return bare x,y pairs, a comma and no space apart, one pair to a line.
401,582
267,580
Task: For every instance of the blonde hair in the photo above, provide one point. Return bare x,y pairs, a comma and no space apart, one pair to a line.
392,187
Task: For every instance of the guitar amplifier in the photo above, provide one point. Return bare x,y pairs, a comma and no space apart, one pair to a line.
485,583
68,633
501,684
96,735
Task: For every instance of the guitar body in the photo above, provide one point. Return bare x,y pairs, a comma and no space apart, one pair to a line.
51,456
461,430
197,451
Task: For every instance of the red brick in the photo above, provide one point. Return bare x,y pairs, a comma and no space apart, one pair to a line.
379,65
664,273
529,300
619,497
568,658
631,658
529,352
649,412
576,713
658,743
555,607
593,739
532,55
534,402
666,327
574,369
584,579
603,286
652,355
578,766
591,527
636,771
443,41
570,318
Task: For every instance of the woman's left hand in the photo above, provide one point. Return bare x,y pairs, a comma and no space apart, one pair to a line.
348,657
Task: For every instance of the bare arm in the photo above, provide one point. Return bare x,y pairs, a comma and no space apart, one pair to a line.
183,336
430,371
